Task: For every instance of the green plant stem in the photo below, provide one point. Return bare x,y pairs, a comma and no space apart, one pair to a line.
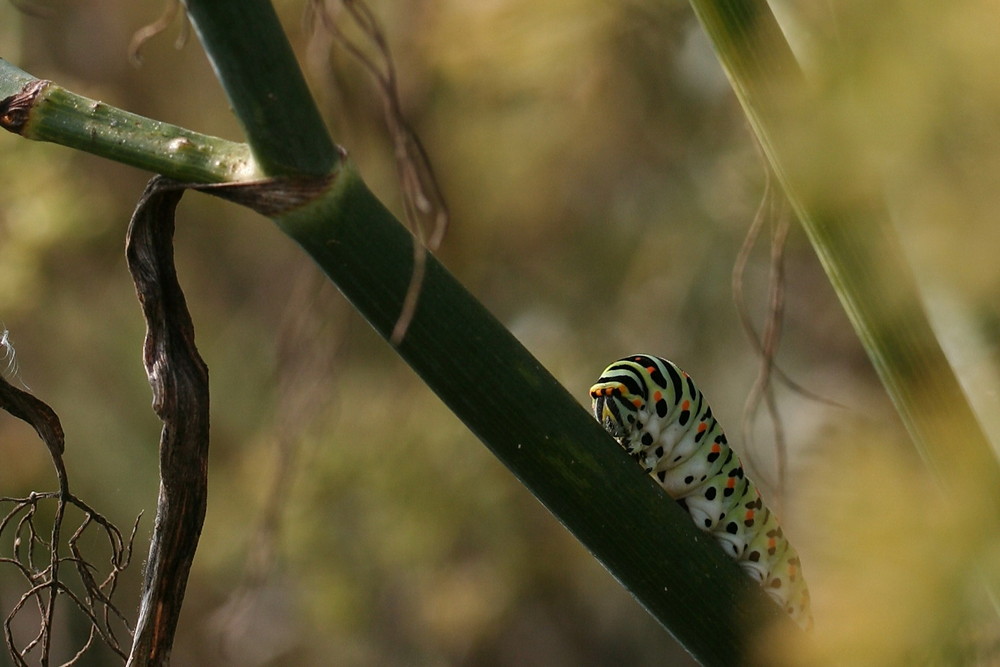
853,236
265,86
12,79
63,117
537,429
499,390
515,406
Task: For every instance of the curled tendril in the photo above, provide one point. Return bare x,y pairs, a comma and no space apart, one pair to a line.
171,9
424,206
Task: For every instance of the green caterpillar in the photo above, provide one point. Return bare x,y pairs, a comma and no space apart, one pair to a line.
658,415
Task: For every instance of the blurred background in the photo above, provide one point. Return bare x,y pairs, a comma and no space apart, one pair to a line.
601,180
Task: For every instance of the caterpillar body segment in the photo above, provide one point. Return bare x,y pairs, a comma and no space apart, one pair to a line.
659,416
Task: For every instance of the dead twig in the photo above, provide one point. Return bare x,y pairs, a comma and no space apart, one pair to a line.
38,560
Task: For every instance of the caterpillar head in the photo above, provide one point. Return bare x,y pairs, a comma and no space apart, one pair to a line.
618,397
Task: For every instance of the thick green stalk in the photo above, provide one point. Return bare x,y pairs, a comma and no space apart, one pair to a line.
483,373
265,85
507,398
539,431
523,415
851,231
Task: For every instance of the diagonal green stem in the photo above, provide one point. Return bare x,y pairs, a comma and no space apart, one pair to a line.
264,85
509,400
481,371
537,429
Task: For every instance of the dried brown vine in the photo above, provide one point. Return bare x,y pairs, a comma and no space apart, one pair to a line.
424,205
179,380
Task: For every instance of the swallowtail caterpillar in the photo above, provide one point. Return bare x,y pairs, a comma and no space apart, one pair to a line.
653,409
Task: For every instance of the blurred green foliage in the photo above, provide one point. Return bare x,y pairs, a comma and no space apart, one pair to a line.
601,179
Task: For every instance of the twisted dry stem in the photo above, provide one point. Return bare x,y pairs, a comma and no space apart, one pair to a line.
179,379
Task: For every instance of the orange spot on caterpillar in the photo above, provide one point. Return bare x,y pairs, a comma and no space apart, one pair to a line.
701,427
637,402
686,405
731,483
657,396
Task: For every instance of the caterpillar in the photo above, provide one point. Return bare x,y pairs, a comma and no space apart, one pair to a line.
655,411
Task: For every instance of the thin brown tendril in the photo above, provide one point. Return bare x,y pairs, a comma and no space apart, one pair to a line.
773,207
171,9
423,202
